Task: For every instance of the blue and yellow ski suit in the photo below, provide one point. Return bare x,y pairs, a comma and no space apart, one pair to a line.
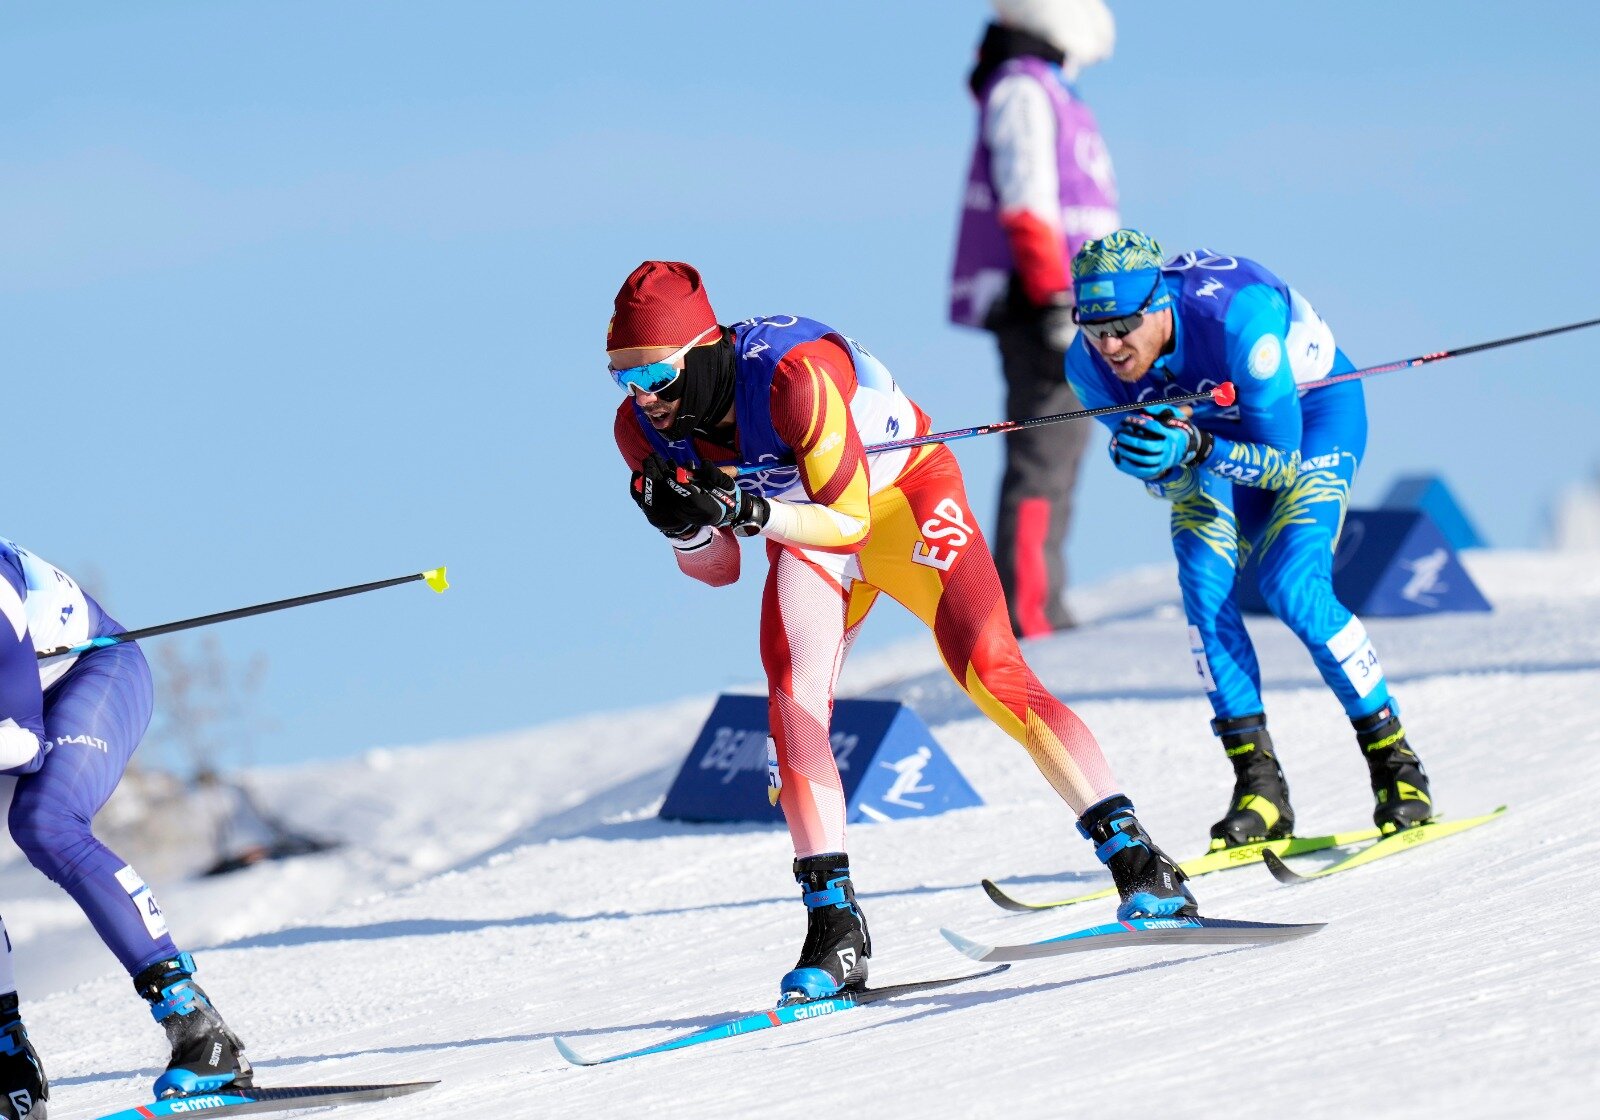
1275,484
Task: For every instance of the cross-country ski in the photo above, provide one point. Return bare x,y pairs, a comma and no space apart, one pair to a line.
1135,932
1220,860
1381,848
240,1102
783,1015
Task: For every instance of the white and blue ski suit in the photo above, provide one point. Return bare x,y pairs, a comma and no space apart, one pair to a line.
1277,480
68,727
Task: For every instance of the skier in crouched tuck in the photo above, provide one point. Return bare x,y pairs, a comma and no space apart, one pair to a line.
68,727
841,527
1270,475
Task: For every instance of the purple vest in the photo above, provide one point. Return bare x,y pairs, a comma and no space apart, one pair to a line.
1088,195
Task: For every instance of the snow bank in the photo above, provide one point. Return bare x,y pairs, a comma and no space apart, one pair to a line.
499,890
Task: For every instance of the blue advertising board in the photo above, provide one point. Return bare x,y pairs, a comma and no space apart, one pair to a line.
890,763
1389,563
1428,493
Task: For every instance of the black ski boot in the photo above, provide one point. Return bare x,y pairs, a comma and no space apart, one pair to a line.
1150,884
24,1089
837,946
206,1055
1399,783
1259,809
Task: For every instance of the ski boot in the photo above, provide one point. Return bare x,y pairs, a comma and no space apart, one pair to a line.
206,1055
837,946
24,1089
1399,783
1259,809
1150,884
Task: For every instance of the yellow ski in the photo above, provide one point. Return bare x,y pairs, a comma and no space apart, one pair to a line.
1219,860
1385,846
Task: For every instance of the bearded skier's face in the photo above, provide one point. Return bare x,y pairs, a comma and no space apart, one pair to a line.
1131,356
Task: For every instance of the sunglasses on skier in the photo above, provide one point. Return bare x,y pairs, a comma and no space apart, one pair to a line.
655,376
1121,326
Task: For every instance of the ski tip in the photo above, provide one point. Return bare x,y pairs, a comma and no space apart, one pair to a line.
1280,870
1001,899
405,1088
992,970
435,579
965,945
569,1053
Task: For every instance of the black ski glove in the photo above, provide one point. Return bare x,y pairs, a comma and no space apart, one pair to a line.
680,501
722,503
666,505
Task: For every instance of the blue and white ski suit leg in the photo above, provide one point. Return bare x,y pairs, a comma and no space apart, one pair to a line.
67,731
1293,533
94,718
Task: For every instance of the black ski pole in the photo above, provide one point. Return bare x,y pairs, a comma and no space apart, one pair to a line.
1222,395
434,577
1441,355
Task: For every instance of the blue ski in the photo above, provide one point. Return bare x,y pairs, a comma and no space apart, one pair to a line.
238,1102
1136,931
777,1017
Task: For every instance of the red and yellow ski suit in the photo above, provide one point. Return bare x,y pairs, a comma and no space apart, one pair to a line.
896,524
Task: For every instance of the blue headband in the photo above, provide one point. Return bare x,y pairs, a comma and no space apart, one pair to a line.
1107,295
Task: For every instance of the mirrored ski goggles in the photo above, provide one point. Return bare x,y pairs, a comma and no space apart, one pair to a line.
656,376
1121,326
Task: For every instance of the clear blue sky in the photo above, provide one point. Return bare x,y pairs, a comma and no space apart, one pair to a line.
300,294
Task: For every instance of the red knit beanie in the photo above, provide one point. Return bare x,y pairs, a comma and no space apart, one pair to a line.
661,303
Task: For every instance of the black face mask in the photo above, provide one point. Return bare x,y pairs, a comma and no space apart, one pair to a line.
707,390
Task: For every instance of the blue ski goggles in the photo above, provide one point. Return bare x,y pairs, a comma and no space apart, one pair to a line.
656,376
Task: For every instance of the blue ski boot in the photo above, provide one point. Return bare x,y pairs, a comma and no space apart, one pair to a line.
837,946
1259,809
206,1055
1150,884
1399,783
24,1090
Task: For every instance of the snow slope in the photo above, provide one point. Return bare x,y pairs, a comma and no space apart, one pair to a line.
499,891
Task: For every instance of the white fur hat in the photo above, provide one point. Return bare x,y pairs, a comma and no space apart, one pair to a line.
1083,29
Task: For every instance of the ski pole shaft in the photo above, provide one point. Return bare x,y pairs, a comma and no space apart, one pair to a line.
434,577
1222,395
1441,355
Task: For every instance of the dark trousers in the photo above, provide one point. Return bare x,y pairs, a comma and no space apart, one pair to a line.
1041,474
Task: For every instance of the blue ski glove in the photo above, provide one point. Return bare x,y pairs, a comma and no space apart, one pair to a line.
1153,441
